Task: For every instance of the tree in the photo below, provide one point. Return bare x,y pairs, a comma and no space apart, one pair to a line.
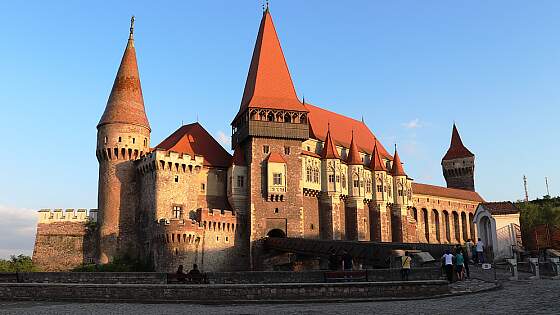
20,263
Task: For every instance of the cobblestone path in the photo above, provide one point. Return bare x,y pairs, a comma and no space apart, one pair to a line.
521,297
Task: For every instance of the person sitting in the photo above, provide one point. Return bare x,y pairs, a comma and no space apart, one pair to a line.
347,261
195,275
333,260
181,276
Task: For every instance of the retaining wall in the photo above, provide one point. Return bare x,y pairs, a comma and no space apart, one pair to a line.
216,294
255,277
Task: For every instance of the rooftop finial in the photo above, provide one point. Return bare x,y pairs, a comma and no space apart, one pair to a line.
303,102
266,10
131,36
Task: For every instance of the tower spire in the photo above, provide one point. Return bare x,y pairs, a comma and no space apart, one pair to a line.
269,84
457,149
126,103
397,169
353,153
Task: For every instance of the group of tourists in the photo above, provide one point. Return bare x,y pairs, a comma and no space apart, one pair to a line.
456,264
193,276
344,261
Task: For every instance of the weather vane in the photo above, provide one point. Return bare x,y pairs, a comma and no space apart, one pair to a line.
131,26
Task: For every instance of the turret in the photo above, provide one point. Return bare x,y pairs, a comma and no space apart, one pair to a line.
458,164
330,165
402,199
379,172
123,135
237,183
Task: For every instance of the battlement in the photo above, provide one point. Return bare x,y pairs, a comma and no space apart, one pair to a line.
171,161
68,215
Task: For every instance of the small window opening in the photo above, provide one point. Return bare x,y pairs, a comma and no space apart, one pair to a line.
176,178
287,150
312,226
120,139
133,140
266,149
276,210
202,187
106,140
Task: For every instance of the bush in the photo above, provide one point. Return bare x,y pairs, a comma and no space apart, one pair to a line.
20,263
119,264
540,211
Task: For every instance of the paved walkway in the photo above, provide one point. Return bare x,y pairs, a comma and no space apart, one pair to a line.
534,297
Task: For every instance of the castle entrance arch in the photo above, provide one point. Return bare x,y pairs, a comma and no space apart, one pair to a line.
276,233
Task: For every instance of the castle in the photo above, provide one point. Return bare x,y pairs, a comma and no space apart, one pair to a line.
297,170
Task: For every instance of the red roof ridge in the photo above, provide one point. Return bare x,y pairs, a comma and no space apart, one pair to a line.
397,169
329,148
456,149
269,84
455,193
309,153
194,139
319,118
353,153
126,103
276,157
376,163
238,157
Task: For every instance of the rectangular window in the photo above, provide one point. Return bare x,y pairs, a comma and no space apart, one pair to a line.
177,212
287,150
202,187
266,149
401,193
380,188
240,181
356,183
331,178
277,179
338,178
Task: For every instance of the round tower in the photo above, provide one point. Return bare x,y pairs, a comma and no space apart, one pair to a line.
123,135
458,164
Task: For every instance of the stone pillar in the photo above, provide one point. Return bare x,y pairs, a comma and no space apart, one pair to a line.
330,217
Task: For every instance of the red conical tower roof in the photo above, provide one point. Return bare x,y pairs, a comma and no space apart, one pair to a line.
353,153
456,149
238,157
126,104
397,169
329,149
376,162
269,84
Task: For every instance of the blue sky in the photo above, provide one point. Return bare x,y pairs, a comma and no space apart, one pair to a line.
410,68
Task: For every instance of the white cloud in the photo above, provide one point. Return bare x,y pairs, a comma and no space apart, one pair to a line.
18,226
224,139
413,124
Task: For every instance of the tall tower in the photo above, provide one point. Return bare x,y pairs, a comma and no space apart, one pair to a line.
270,127
123,135
458,164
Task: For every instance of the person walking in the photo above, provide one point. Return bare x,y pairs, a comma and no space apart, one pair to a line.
480,251
459,265
347,261
469,250
466,255
405,267
448,261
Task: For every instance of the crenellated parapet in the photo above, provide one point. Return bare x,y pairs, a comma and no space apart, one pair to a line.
163,160
68,215
218,220
178,231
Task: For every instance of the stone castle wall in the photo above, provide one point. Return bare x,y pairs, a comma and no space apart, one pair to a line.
65,239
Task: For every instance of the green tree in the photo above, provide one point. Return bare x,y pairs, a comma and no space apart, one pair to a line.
20,263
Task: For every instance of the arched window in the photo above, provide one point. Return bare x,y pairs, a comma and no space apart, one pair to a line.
287,118
309,178
270,117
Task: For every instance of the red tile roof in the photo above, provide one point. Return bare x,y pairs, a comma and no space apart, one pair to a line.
126,104
329,148
397,169
276,157
376,163
457,149
500,208
269,84
431,190
309,153
238,157
353,154
193,138
340,127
